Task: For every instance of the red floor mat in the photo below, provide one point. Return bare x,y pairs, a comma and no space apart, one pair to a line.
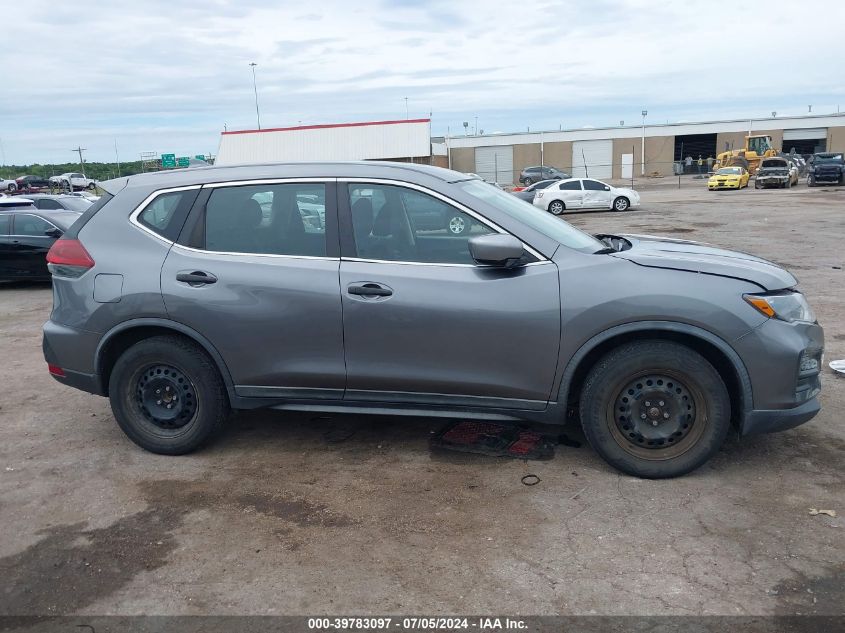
490,438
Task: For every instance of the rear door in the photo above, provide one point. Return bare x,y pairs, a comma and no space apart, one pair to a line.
424,324
255,271
571,194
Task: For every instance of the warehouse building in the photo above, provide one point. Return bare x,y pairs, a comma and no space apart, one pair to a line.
617,152
407,140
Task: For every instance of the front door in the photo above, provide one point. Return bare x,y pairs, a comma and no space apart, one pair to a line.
424,324
256,273
596,194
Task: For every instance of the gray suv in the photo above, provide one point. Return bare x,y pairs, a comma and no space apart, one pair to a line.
182,295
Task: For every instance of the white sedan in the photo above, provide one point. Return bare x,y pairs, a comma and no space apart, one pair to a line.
584,193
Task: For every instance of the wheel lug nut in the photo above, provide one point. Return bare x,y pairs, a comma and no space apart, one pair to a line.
654,423
647,403
643,416
168,389
158,390
665,416
662,403
169,406
158,401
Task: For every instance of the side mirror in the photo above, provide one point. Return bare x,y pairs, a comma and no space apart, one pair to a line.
53,233
496,250
606,188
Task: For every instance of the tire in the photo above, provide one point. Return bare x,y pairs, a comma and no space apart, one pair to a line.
811,182
12,187
458,225
168,365
757,185
556,207
621,204
527,181
91,186
613,402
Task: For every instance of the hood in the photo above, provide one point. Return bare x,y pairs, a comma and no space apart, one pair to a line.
773,171
696,257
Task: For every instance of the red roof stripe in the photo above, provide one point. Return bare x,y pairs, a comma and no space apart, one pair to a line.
330,125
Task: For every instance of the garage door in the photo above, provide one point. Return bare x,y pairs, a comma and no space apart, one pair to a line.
495,163
805,133
596,155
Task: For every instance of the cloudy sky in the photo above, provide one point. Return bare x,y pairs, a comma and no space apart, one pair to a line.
165,76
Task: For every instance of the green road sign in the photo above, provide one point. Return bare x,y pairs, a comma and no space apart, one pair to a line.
168,160
183,161
200,156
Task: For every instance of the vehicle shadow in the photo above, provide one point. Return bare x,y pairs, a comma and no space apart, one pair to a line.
25,284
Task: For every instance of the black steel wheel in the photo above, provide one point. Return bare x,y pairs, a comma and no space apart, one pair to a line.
655,409
167,395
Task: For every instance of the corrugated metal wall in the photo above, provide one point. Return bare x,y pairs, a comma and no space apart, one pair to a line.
359,141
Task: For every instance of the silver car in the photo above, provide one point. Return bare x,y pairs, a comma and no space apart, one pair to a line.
182,295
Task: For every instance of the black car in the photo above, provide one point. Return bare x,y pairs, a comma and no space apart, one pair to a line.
537,173
29,182
26,234
827,167
527,194
48,202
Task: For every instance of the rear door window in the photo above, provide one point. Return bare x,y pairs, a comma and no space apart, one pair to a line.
594,185
31,225
274,219
571,185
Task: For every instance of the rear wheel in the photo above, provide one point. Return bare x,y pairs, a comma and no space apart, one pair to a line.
92,186
167,395
655,409
527,181
556,207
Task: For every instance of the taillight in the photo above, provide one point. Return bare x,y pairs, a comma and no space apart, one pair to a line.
55,370
68,258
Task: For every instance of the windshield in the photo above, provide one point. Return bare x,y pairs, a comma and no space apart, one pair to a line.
530,215
730,171
828,158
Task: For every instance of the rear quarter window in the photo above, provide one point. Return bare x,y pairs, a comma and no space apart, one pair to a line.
165,214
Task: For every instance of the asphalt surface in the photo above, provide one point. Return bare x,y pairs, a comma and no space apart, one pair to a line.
299,514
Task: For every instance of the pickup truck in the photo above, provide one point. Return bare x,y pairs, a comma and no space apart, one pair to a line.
827,167
73,181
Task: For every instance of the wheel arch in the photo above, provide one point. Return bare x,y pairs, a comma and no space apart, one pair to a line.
713,348
122,336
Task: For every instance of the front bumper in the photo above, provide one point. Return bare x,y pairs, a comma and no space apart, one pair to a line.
784,362
773,420
772,182
724,185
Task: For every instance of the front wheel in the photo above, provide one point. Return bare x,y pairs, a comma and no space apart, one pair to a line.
527,182
621,204
167,395
556,207
11,187
655,409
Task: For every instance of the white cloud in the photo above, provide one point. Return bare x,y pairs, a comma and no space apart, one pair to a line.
162,76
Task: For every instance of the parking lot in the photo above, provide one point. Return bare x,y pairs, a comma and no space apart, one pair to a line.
293,513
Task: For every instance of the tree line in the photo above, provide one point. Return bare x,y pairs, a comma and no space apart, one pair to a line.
97,171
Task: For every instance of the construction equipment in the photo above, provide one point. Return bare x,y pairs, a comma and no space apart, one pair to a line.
756,149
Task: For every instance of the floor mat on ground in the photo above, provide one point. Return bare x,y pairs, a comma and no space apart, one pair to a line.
498,440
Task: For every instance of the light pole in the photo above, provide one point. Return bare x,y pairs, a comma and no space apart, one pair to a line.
255,89
642,146
406,109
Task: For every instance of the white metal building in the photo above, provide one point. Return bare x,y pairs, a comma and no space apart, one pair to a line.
373,140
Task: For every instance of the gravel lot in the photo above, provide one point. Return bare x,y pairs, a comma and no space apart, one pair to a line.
295,514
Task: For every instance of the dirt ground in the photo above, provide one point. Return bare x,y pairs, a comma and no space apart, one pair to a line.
297,514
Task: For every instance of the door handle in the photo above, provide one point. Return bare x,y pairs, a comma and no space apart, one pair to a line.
369,290
196,277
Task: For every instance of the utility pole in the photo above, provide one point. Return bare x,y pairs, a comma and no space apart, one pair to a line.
255,89
79,151
406,109
642,146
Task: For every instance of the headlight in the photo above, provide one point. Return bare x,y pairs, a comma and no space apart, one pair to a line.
787,306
